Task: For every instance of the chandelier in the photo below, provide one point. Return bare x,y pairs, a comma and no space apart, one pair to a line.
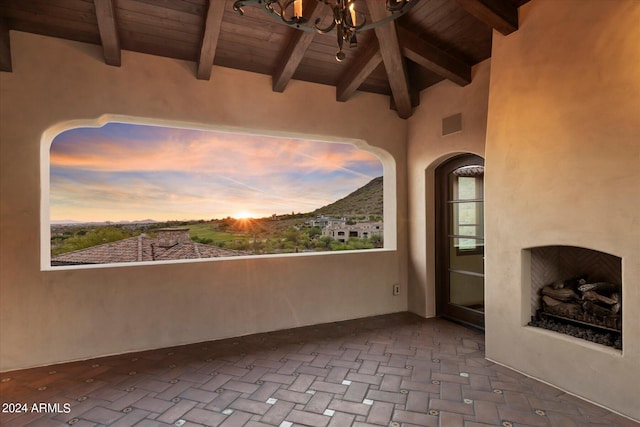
346,19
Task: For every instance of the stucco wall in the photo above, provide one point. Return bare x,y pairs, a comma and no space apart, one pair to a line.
54,316
563,149
427,149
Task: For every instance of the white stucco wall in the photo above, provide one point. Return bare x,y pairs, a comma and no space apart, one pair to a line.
55,316
563,150
427,149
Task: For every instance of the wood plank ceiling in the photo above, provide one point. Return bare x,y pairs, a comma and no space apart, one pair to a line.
435,40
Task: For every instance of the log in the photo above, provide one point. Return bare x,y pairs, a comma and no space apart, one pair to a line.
596,309
600,287
550,301
570,283
594,296
565,309
565,294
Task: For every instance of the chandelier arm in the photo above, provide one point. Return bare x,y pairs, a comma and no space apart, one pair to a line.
283,12
335,11
393,6
324,30
237,7
362,19
340,38
340,55
337,16
268,6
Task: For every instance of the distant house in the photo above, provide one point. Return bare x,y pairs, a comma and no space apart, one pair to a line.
361,230
323,221
169,244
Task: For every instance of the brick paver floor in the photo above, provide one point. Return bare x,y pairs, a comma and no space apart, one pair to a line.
392,370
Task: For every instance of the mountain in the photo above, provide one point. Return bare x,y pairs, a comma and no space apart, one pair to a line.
123,222
65,222
366,200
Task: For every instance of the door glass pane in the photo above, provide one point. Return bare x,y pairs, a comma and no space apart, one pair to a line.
465,183
466,244
467,187
466,260
466,219
466,290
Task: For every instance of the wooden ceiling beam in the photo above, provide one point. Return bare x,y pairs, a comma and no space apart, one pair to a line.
434,59
499,14
210,36
392,58
296,48
358,73
105,13
5,46
415,101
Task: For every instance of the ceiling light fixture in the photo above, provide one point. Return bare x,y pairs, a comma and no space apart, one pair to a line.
346,20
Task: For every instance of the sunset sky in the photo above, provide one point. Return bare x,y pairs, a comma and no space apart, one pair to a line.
133,172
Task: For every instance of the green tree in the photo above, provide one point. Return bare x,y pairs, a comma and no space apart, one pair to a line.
315,232
83,239
355,243
323,243
204,240
377,241
336,245
292,235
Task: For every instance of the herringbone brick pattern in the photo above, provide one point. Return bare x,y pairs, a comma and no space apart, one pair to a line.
393,370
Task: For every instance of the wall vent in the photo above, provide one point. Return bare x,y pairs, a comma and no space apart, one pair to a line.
452,124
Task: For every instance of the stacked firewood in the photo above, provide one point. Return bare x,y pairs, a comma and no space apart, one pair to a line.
598,303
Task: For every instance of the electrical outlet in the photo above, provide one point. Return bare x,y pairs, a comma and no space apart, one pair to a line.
396,289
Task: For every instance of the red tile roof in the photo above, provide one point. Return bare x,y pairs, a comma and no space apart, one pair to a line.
141,248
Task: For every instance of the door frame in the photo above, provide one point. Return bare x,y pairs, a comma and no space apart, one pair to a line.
453,312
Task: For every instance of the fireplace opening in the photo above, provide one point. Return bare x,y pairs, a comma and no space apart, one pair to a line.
578,292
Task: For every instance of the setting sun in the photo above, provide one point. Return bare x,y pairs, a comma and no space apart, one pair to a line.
243,215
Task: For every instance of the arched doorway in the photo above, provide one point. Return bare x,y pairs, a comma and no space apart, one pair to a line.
460,240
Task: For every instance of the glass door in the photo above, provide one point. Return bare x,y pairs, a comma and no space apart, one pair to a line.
460,240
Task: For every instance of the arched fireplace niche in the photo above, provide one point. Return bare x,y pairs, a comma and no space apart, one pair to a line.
578,292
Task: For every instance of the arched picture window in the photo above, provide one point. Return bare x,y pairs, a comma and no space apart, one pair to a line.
125,192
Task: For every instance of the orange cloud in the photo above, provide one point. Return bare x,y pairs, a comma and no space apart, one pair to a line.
254,155
192,175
